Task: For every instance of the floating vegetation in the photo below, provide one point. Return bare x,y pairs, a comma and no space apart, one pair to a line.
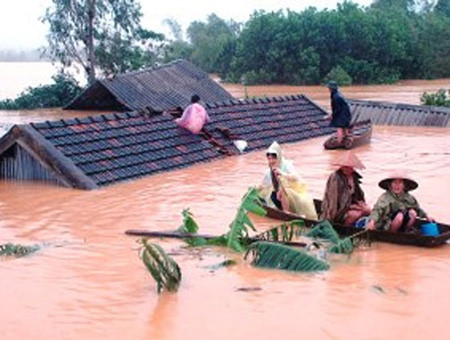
190,226
324,230
17,250
271,249
279,256
223,264
238,232
283,233
161,266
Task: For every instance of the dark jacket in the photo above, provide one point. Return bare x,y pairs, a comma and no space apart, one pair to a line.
340,116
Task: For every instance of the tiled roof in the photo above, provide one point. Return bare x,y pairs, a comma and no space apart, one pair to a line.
117,147
260,121
160,88
100,150
384,113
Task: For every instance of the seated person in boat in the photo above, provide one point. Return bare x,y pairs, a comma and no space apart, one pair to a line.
194,116
396,209
343,200
283,188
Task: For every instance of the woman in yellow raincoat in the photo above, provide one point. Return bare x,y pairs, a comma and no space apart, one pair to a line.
283,188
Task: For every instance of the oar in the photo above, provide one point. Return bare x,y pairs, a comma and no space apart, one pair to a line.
176,234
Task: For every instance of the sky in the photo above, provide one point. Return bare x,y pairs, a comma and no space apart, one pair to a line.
21,28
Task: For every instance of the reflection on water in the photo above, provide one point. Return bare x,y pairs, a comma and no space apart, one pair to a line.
87,282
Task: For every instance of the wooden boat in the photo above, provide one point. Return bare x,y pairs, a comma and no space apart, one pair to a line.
411,239
361,134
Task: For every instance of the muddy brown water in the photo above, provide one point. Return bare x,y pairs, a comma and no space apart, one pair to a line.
87,281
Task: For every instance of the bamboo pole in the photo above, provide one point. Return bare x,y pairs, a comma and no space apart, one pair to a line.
178,235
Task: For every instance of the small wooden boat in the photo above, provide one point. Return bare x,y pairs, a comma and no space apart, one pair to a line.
361,134
411,239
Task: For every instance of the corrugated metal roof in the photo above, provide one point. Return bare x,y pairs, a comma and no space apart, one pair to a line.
159,88
385,113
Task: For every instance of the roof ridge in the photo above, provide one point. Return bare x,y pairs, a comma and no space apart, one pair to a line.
96,118
255,100
148,69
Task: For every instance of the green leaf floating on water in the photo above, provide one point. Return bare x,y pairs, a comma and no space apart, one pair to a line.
17,250
279,256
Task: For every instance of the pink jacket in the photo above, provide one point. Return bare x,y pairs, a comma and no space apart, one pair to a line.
193,118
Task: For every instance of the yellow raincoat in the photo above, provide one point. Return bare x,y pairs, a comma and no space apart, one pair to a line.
300,201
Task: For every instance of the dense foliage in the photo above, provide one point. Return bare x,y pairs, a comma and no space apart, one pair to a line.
439,98
60,93
388,41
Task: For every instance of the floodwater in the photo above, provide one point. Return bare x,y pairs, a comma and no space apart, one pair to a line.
88,282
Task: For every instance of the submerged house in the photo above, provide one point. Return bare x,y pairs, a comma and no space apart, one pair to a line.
385,113
95,151
157,89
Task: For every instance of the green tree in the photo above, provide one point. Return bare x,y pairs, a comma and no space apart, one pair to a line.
99,34
176,48
209,41
443,7
60,93
339,75
406,5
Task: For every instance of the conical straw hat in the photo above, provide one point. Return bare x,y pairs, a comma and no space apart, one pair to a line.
410,184
349,159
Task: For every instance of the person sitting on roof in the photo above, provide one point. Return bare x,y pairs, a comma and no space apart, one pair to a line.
340,112
343,200
283,188
396,209
194,116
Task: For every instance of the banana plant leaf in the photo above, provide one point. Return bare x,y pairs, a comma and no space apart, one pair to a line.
164,270
283,233
348,244
250,202
239,227
324,230
279,256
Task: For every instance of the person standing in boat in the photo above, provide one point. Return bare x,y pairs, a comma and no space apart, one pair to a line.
194,116
282,187
343,200
340,112
396,209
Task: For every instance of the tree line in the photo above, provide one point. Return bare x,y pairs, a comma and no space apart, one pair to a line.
378,44
382,43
